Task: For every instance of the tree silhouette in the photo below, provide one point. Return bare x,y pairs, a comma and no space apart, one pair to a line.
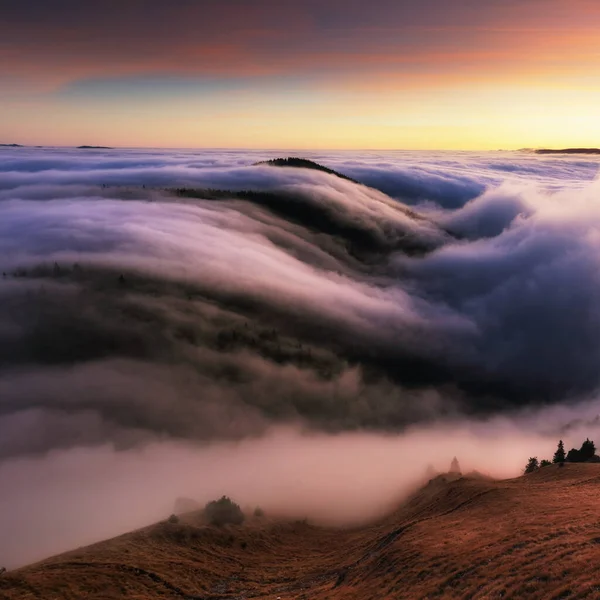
223,511
588,450
454,466
545,463
532,465
585,453
559,455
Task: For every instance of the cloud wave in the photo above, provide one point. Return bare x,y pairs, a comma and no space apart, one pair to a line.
133,306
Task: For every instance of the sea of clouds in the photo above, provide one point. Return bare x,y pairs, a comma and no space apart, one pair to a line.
289,345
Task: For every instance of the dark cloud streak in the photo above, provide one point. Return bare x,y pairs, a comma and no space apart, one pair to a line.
68,41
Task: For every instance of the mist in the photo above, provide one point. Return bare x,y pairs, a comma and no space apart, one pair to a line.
65,499
196,324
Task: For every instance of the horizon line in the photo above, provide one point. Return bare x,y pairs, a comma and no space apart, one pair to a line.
271,149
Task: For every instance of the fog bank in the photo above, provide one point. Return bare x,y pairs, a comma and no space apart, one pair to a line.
194,324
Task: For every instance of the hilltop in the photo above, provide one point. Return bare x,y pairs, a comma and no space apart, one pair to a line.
537,536
359,236
303,163
94,148
568,151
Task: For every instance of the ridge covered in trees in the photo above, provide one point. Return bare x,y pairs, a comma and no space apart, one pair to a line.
587,453
362,242
568,151
303,163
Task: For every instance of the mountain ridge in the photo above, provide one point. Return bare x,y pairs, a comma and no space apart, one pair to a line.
568,151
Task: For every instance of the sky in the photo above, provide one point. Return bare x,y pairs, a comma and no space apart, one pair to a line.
317,74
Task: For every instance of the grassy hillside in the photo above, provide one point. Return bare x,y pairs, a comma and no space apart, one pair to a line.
537,536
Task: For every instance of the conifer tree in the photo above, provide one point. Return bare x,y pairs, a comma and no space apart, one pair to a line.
532,465
559,455
454,466
588,449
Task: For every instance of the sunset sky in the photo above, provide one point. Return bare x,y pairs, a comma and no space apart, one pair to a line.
464,74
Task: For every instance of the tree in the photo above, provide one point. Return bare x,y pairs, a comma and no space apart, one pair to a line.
223,511
559,455
532,465
584,454
454,466
588,450
545,463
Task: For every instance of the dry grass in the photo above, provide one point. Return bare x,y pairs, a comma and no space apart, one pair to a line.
533,537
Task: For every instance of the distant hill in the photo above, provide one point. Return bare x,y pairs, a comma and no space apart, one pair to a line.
568,151
535,537
11,146
303,163
94,148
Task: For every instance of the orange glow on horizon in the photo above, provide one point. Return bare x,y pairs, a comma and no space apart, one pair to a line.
523,77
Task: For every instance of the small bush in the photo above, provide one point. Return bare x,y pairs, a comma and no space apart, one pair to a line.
259,512
223,511
173,519
545,463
